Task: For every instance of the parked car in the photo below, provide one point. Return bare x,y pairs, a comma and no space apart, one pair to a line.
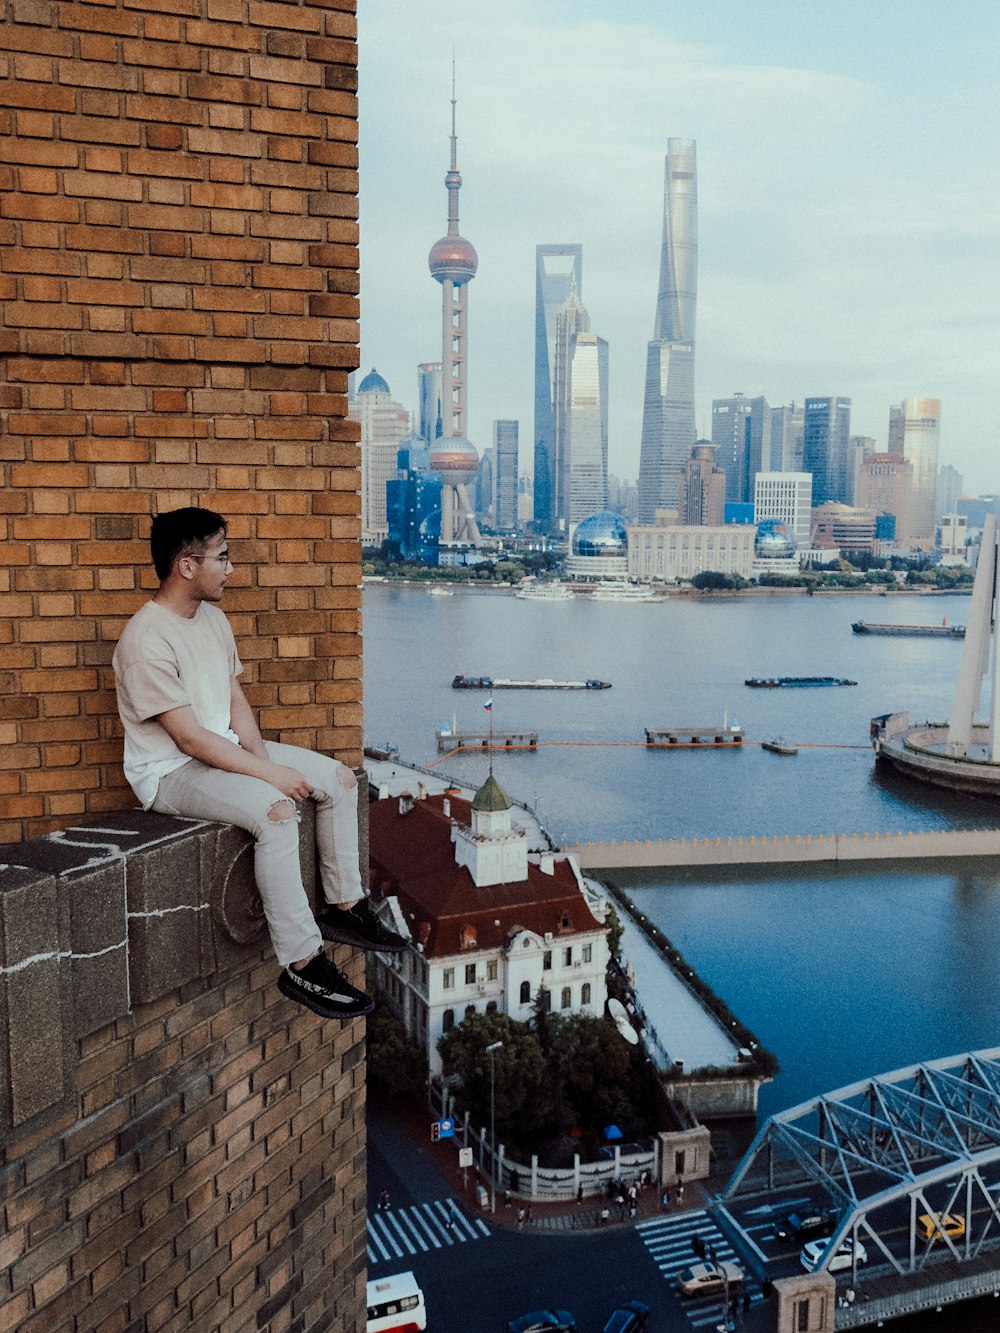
932,1226
705,1279
632,1317
809,1224
844,1257
543,1321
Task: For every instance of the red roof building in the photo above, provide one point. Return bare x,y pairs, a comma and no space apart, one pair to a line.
489,923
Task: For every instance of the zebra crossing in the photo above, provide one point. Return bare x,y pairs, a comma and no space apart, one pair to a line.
395,1233
668,1240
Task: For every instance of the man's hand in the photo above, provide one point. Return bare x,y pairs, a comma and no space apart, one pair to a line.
287,780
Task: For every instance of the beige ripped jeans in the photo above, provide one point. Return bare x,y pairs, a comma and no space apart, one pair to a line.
197,791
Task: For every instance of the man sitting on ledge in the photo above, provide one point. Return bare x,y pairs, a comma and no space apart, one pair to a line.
193,748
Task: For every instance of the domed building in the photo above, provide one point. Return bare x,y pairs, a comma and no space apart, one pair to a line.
775,540
599,548
384,425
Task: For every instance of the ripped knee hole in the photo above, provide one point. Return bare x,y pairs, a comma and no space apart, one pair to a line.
347,778
282,811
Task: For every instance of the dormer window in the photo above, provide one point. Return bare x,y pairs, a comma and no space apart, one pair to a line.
468,937
566,921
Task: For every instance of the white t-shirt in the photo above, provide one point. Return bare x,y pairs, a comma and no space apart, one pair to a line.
166,661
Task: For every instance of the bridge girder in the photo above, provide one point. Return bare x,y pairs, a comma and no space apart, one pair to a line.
921,1140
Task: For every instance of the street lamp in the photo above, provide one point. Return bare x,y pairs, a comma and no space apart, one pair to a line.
491,1052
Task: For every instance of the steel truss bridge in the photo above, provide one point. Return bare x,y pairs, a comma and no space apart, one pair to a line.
910,1161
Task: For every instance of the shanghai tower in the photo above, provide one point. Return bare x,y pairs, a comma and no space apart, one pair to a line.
668,427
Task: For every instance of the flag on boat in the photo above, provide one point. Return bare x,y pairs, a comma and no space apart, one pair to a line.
488,705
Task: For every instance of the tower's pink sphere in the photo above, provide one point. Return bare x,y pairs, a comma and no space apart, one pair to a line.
454,459
453,258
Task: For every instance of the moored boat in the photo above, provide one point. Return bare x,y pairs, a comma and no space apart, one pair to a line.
942,631
502,683
785,682
779,747
544,592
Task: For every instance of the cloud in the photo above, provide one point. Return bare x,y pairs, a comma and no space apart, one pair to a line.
832,258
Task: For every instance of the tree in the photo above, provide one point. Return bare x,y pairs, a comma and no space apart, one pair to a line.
519,1069
614,930
395,1063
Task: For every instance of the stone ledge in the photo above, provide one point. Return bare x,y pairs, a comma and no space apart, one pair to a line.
99,919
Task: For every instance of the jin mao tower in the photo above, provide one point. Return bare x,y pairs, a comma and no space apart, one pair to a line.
453,263
668,411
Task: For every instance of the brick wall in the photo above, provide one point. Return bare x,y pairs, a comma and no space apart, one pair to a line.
178,316
180,1147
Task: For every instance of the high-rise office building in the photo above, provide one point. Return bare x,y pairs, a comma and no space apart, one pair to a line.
742,432
951,487
453,262
668,430
703,493
384,424
571,320
505,485
429,392
787,498
413,506
786,438
558,273
826,431
885,486
859,447
588,428
914,432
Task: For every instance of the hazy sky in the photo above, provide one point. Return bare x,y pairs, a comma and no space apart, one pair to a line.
849,198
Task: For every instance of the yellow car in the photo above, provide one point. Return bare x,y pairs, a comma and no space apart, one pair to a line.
932,1226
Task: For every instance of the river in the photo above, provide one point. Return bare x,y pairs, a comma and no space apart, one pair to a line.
841,972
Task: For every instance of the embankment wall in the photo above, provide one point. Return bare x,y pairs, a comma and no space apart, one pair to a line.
786,849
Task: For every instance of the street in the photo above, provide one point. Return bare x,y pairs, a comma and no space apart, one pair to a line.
478,1273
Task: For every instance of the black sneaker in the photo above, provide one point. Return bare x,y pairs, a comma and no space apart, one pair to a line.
360,926
324,990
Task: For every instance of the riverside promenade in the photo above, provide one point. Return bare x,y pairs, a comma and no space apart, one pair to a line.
787,849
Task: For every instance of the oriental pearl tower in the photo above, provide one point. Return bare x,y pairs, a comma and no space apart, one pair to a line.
453,262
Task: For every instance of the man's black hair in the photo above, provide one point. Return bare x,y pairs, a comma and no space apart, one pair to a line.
181,532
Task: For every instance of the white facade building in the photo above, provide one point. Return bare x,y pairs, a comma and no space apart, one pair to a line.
490,924
787,497
673,554
384,425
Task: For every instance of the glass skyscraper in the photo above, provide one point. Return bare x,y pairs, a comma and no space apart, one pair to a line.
825,434
914,430
668,430
505,435
558,271
588,427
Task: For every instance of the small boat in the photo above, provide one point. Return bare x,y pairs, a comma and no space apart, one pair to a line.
442,592
779,747
785,682
544,592
622,592
502,683
942,631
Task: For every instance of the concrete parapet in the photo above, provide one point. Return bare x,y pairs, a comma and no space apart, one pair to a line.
806,1303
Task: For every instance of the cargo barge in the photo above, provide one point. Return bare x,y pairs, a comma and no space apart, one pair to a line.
942,631
786,682
501,683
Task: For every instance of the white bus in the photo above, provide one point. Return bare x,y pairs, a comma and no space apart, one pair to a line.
396,1305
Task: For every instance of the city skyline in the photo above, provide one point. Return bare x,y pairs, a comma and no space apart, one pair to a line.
878,290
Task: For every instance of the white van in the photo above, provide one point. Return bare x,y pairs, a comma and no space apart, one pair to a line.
395,1305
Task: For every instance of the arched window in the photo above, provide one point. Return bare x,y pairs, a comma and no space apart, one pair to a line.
525,992
469,1009
491,1008
447,1020
567,997
585,993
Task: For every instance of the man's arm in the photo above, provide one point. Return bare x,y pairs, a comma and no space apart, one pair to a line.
243,722
196,741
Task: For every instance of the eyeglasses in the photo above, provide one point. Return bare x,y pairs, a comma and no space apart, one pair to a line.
223,558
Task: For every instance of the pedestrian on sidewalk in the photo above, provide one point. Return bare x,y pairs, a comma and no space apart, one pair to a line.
666,1200
383,1202
520,1219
